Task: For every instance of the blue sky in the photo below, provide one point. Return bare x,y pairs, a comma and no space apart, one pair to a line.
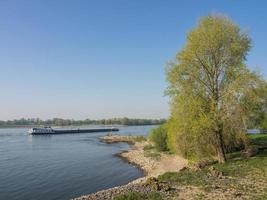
104,58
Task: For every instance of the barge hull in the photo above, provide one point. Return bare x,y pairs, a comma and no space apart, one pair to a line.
78,131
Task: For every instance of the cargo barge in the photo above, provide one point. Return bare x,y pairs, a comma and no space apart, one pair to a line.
49,130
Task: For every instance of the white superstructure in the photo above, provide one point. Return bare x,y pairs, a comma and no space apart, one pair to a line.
45,130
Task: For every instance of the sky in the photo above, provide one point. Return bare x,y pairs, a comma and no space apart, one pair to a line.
96,59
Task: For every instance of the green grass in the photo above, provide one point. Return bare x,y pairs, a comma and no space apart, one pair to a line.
244,167
138,196
186,177
258,138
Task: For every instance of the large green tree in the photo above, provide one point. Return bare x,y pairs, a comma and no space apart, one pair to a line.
210,88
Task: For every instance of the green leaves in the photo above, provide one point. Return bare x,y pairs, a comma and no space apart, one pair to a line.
159,137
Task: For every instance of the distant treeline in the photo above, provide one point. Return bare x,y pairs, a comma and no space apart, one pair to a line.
71,122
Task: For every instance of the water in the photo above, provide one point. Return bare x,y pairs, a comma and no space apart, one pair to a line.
61,166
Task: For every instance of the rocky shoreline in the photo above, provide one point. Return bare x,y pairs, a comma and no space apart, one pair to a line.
151,167
164,191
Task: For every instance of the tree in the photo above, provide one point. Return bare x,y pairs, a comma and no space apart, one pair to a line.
258,108
159,137
209,85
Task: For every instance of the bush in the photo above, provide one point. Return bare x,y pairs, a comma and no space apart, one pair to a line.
159,137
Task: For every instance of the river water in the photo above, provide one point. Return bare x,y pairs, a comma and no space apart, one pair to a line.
61,166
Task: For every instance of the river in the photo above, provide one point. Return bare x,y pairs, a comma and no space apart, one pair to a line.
58,167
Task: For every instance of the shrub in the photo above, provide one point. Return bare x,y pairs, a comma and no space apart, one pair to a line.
159,137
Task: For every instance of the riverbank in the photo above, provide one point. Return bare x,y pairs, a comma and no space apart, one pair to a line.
243,176
148,160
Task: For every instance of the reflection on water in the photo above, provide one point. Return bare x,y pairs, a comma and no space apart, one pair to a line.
61,166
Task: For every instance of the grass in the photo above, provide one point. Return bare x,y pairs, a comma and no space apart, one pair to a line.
186,177
138,196
244,167
260,139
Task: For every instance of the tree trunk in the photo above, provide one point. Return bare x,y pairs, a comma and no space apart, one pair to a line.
221,154
220,148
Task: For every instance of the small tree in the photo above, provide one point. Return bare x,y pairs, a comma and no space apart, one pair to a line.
257,107
209,86
159,137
